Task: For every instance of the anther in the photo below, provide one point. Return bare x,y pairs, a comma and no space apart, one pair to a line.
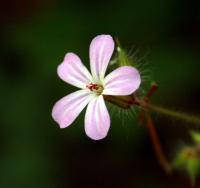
95,87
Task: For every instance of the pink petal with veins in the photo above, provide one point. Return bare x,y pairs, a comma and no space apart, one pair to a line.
69,107
97,119
122,81
72,71
101,49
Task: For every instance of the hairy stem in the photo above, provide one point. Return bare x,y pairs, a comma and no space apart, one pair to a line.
126,102
170,113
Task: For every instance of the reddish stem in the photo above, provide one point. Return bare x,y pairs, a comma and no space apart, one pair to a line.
146,99
156,144
152,90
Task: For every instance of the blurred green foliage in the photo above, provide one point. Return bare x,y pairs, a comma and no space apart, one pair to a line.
188,158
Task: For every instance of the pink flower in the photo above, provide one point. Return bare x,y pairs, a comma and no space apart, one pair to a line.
122,81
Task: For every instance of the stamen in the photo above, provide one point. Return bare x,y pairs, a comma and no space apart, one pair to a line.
95,88
92,86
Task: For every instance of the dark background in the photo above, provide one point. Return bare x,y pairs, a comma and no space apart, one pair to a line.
34,37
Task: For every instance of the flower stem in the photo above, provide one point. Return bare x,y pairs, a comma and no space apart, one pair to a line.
170,113
126,102
156,144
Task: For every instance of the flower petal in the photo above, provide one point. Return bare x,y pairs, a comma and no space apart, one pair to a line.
97,119
72,71
69,107
122,81
101,49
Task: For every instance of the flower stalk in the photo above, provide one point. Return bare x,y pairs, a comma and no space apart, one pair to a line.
127,102
174,114
162,159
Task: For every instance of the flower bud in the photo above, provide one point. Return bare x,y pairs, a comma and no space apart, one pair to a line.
123,58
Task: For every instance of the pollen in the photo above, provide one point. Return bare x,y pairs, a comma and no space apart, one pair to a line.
97,88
